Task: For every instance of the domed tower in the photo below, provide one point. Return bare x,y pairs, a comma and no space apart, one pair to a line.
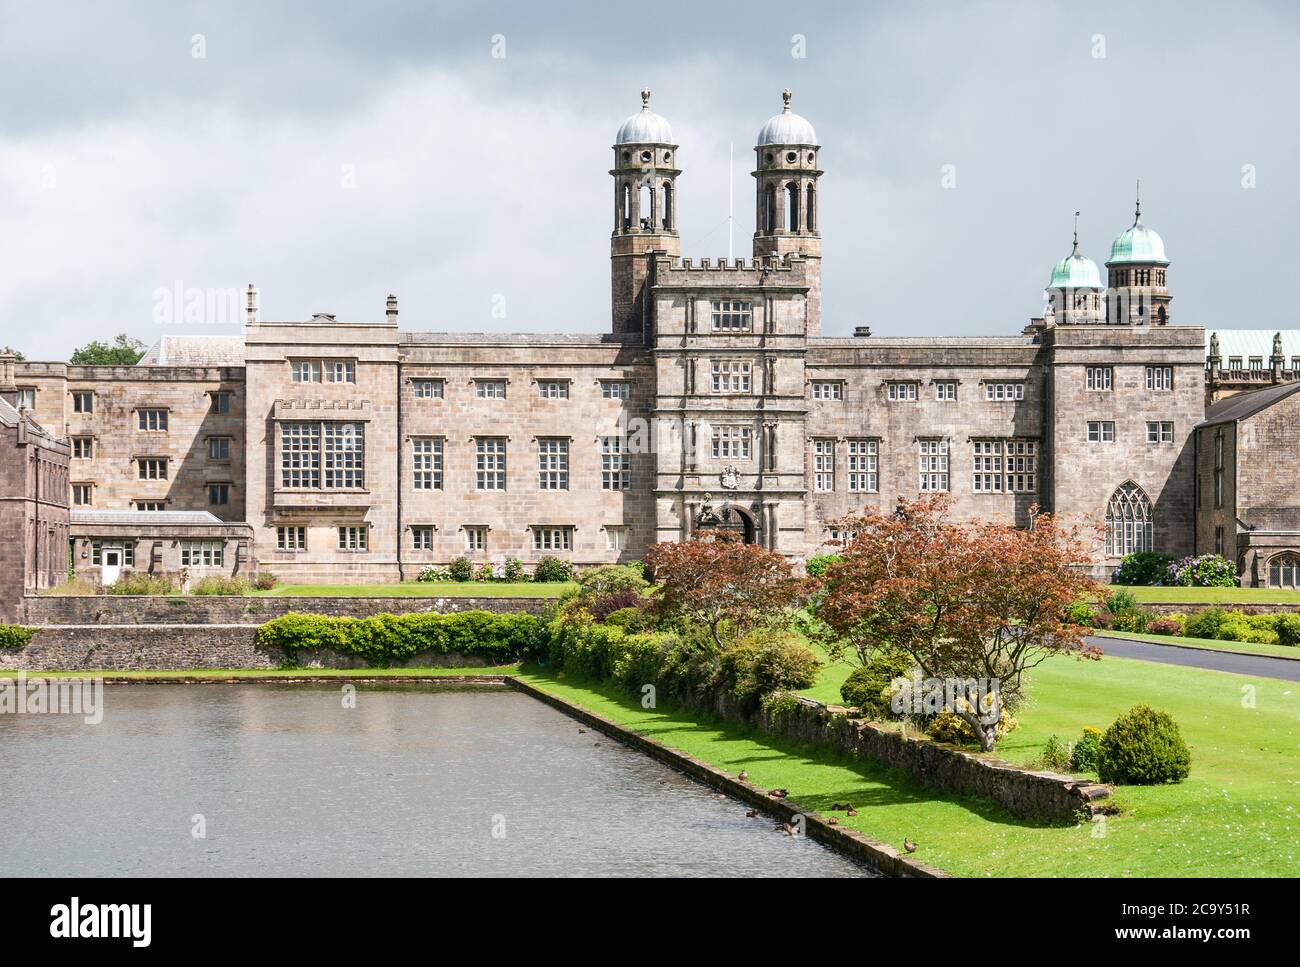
1075,290
1137,267
787,212
645,211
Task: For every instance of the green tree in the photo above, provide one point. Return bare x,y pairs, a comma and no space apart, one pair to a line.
124,351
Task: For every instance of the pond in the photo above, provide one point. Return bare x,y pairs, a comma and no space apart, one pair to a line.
284,780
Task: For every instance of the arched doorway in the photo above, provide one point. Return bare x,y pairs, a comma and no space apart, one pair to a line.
735,521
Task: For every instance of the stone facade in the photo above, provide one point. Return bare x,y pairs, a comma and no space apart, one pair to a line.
1247,502
33,501
360,451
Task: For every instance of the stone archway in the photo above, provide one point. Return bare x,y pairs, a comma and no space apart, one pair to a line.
727,518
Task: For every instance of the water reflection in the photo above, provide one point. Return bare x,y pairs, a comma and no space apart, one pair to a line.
413,781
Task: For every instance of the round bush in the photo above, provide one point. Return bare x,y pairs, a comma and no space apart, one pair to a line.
552,569
1143,747
461,569
1145,567
865,686
1206,571
1287,627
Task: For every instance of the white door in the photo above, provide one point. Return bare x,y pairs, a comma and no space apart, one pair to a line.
112,567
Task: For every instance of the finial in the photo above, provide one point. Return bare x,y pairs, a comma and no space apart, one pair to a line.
785,97
1137,214
1076,233
645,98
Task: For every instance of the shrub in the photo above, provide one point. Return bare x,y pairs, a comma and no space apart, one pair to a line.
1206,571
215,584
384,639
1080,612
1287,627
632,620
1056,754
461,569
1205,624
1130,621
1239,626
514,571
865,687
141,582
1167,625
818,564
612,579
605,605
431,572
951,727
1145,567
1122,602
1143,747
14,637
550,570
485,572
766,662
265,581
1084,756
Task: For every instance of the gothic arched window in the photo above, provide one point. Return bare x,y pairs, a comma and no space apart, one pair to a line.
668,206
1129,525
769,210
810,202
792,204
1284,571
626,213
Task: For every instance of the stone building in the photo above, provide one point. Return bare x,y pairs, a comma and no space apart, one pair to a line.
1247,502
33,500
361,451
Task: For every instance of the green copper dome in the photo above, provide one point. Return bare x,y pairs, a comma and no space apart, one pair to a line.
1076,271
1138,244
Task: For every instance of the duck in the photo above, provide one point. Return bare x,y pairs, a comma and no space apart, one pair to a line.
751,814
744,776
909,846
850,811
778,793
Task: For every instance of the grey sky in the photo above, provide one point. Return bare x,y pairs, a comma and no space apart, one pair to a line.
126,164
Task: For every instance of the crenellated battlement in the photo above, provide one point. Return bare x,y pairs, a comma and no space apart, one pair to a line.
769,270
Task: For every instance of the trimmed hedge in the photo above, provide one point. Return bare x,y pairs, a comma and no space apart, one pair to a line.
384,639
14,637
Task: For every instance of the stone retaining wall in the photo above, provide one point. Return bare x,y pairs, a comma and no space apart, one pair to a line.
1024,793
168,647
1162,607
112,609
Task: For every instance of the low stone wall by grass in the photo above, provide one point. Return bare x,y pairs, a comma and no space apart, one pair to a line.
167,647
111,609
1044,795
1193,607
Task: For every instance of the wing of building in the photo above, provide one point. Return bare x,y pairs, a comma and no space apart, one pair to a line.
333,450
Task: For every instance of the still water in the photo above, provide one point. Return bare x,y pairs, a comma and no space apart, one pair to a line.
282,780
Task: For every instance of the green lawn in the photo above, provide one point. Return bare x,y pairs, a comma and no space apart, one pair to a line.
423,589
1235,816
1212,595
235,674
1210,644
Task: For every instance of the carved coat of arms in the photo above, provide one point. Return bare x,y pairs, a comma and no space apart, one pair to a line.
730,478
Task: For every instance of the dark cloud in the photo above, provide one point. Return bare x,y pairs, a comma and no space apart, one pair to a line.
478,177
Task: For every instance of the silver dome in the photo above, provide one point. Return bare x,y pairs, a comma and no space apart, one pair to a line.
787,127
645,127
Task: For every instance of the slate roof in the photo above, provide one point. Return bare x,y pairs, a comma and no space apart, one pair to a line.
1247,404
182,518
195,351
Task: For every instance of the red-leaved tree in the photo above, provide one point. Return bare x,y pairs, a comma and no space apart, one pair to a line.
970,603
728,587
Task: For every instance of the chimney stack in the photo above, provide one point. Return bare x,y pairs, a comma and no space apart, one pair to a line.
250,306
862,332
8,386
392,310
